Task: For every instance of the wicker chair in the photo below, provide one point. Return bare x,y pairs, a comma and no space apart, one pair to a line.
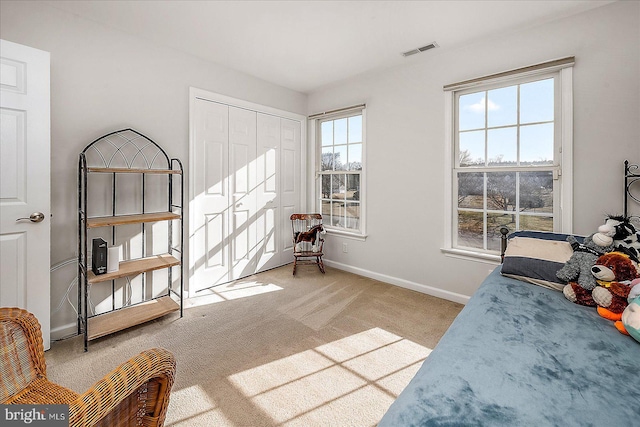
135,393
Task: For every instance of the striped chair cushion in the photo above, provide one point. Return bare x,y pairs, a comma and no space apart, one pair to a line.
16,369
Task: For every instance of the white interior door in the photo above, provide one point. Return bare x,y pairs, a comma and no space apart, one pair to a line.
25,181
209,220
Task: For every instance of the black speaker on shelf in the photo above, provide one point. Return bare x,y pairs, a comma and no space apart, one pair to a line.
99,256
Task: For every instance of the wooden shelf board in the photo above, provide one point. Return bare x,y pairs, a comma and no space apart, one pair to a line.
131,268
124,318
127,170
107,221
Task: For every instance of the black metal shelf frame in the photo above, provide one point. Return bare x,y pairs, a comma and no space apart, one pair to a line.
126,151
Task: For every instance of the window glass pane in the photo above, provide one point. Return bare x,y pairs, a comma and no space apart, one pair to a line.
326,186
338,186
502,146
326,211
470,229
501,191
536,101
326,131
536,192
494,222
471,190
502,106
471,111
472,148
355,129
536,144
326,162
352,219
353,187
340,157
337,214
355,157
340,131
537,223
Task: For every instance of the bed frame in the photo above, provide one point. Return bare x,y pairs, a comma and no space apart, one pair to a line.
631,178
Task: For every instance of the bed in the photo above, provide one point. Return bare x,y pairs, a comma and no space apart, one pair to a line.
520,354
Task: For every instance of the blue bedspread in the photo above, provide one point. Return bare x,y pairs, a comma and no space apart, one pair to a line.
523,355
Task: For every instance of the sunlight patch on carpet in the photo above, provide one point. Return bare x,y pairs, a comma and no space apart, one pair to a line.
350,381
192,406
317,309
231,291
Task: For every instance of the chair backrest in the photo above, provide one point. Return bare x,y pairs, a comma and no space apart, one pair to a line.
305,223
19,364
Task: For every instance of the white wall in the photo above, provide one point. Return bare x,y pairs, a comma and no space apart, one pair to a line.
405,140
104,80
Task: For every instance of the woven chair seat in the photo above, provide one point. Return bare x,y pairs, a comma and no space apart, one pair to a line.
43,391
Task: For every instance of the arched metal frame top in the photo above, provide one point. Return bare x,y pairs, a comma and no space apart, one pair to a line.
126,148
631,177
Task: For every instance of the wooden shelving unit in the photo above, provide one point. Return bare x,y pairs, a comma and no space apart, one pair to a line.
128,152
117,320
131,268
108,221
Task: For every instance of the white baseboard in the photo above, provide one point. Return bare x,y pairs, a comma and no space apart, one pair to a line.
419,287
63,331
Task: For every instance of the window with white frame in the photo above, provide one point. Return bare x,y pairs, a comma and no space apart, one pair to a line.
340,165
510,144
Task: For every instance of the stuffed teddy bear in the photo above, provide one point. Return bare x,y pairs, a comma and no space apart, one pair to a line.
618,278
630,323
577,270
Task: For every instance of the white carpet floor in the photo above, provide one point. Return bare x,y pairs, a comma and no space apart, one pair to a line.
278,350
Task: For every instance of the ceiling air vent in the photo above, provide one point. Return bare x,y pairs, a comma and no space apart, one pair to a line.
420,49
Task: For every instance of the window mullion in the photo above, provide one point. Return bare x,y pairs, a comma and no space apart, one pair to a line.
517,204
485,215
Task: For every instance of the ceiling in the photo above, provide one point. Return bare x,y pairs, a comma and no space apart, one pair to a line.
306,45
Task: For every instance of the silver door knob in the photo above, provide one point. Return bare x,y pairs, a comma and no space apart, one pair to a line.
34,217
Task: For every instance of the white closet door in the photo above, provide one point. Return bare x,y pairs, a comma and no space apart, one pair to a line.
246,182
290,182
269,226
209,256
242,162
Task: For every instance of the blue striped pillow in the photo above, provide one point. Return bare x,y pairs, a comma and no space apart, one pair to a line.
536,256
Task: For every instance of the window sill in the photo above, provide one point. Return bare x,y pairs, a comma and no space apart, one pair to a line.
472,256
347,234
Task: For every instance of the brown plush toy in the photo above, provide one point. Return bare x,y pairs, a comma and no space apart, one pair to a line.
614,273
